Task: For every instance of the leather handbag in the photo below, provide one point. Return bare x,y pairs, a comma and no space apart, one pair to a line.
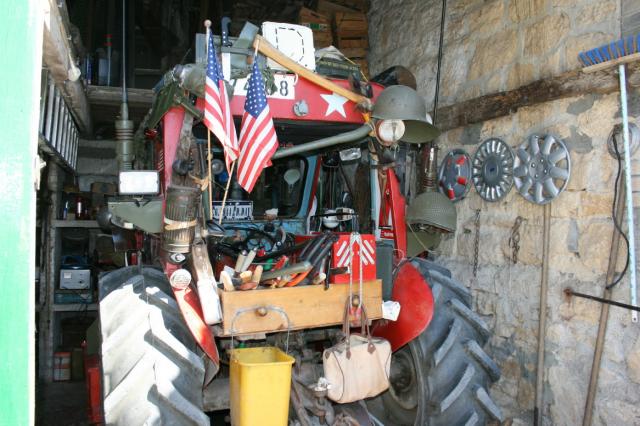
358,366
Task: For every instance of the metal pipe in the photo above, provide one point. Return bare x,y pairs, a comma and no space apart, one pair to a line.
438,69
569,292
125,98
346,137
542,322
604,310
629,189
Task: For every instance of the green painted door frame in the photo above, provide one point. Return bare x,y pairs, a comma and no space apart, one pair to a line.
21,28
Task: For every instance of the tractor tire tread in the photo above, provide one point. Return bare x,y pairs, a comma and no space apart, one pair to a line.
152,373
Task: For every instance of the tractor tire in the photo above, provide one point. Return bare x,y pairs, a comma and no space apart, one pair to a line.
152,373
442,376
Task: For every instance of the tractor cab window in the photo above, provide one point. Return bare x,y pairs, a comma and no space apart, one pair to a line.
279,186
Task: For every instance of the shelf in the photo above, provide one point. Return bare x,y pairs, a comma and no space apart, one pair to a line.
75,307
75,224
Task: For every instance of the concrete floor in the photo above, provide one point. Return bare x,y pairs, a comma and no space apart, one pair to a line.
61,404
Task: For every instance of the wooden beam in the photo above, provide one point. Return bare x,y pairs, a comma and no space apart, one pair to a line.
571,83
57,56
112,96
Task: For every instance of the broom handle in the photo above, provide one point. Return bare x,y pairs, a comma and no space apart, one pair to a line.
267,49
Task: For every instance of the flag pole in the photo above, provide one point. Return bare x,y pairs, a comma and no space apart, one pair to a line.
207,24
226,192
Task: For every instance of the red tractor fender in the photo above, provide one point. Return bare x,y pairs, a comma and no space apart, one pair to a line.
413,292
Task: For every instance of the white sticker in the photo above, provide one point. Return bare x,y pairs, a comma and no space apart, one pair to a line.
390,310
285,86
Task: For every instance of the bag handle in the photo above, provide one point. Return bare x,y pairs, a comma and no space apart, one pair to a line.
364,327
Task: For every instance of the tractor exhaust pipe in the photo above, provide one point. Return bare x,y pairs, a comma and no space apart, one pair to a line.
339,139
124,126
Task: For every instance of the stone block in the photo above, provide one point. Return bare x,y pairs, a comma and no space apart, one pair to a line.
494,84
524,10
581,171
578,309
633,361
530,252
493,54
541,37
566,205
595,204
501,127
471,91
594,244
534,117
551,64
487,19
519,75
594,13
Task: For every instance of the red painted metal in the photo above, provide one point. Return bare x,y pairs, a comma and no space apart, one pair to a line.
192,312
93,380
413,293
93,383
319,109
394,205
171,127
340,259
187,298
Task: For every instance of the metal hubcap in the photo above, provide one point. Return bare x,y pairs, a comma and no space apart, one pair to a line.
492,169
542,168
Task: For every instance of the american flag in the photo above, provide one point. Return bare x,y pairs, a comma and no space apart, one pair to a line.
217,112
258,140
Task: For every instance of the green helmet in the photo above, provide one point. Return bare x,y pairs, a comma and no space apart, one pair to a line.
434,209
404,103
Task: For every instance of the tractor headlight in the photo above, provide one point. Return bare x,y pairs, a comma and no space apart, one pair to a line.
389,132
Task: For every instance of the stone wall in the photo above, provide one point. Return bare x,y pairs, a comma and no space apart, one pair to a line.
494,45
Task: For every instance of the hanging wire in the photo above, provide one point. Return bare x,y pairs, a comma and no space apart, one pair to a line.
614,214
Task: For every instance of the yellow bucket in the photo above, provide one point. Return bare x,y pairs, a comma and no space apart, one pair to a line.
260,384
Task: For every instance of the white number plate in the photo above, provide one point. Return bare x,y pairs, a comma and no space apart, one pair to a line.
285,88
234,210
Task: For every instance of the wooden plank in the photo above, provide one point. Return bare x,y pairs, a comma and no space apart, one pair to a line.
306,306
109,95
271,52
354,52
571,83
352,43
350,24
328,8
613,63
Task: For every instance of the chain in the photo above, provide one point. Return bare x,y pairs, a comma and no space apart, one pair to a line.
476,244
514,239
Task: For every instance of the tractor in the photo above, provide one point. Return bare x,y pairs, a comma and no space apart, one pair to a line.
165,346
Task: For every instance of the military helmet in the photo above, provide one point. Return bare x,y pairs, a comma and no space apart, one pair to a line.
404,103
